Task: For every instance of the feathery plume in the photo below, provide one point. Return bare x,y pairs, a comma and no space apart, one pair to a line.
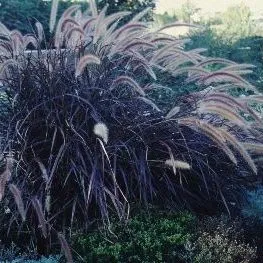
29,39
173,49
237,67
191,70
41,218
139,16
53,15
65,247
240,148
59,35
18,199
48,202
115,17
130,26
6,64
102,131
43,170
164,39
217,61
88,23
5,176
144,63
176,25
224,98
150,102
211,132
93,7
224,111
178,164
78,16
4,30
74,37
220,76
67,23
84,61
40,31
129,81
70,11
172,112
17,41
139,43
100,26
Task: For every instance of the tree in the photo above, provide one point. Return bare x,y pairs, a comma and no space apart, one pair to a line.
165,18
186,12
135,6
237,23
21,14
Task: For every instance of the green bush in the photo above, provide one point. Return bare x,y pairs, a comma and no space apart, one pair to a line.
145,238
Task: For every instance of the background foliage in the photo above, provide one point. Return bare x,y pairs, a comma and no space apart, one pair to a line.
21,14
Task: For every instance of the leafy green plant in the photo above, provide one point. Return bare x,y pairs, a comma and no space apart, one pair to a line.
83,137
153,237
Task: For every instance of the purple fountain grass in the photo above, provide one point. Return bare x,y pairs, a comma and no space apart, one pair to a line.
89,138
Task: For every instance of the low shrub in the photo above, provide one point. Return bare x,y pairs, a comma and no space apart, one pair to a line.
145,238
219,248
221,240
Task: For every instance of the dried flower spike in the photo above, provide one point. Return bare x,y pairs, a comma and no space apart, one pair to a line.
178,164
102,131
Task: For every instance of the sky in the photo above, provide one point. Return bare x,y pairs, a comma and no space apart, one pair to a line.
210,6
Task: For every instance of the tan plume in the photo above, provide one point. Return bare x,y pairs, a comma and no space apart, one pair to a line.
53,15
18,199
84,61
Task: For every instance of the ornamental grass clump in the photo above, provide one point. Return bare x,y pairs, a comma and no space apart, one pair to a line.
86,139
